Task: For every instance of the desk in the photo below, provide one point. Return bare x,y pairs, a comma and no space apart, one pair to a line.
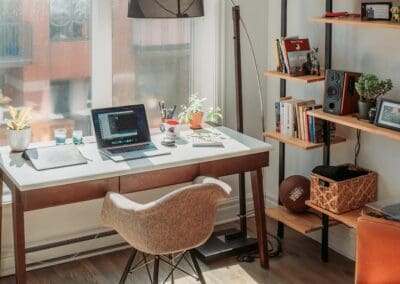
32,190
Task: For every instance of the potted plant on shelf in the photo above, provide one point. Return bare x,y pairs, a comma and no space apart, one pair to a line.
194,113
18,129
370,88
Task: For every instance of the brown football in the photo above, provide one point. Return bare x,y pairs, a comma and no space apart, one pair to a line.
293,193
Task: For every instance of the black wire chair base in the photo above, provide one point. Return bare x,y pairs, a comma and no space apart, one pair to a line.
139,260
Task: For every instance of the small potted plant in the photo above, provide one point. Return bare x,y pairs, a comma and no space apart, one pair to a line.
18,129
370,88
194,113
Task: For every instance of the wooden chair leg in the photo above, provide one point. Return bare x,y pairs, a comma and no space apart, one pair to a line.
128,266
156,268
197,267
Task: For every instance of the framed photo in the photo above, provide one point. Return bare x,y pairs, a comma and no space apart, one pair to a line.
376,11
388,114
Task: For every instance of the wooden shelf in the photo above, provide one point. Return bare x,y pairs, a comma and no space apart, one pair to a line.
298,142
348,218
356,21
354,122
300,79
303,223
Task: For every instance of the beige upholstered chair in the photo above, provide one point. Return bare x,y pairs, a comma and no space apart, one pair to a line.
173,224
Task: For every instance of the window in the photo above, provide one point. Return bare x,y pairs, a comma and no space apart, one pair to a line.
53,78
46,49
69,20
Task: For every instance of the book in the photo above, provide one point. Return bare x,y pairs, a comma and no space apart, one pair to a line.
300,119
281,57
277,56
278,117
296,53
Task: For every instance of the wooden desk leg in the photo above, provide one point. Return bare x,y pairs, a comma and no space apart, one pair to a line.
19,237
259,207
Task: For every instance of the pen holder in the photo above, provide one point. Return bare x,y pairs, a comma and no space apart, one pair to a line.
171,129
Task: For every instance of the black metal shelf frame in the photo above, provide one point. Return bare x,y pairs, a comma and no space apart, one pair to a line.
326,157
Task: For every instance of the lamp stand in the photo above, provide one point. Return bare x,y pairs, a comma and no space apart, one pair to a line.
233,242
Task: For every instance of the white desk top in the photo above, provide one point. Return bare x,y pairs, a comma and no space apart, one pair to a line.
26,177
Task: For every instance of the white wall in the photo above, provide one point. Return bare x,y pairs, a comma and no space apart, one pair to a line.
355,49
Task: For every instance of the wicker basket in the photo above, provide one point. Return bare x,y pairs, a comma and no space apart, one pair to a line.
343,196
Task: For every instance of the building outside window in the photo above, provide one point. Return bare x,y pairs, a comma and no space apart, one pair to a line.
69,20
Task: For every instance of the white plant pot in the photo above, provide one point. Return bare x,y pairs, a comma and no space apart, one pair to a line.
19,140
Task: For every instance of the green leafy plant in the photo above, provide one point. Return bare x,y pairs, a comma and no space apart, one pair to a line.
195,106
370,87
19,119
215,114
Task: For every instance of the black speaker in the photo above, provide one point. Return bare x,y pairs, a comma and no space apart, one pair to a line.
334,82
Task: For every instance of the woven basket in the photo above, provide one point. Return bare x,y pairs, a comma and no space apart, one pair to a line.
343,196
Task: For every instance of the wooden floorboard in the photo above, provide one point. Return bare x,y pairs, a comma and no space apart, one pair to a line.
299,263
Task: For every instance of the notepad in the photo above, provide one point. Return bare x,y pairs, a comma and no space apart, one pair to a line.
54,157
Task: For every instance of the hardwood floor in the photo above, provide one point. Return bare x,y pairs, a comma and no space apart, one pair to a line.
299,263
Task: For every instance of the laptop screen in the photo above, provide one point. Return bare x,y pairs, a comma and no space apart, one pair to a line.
121,126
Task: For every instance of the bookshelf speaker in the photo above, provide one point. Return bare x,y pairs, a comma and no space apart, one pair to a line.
341,96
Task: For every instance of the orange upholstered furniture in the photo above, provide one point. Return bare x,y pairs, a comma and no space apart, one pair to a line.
378,251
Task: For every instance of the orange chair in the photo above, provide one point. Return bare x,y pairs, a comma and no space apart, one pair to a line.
378,251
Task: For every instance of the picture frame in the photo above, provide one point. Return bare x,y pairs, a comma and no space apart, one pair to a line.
388,114
376,11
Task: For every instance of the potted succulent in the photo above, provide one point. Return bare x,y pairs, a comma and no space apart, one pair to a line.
18,129
4,101
194,113
370,89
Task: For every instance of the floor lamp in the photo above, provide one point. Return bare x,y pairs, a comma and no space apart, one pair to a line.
228,242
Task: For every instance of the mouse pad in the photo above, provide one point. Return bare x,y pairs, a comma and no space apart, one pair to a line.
54,157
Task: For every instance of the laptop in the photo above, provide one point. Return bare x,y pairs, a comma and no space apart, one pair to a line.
122,133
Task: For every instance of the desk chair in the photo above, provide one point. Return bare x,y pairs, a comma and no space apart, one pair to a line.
378,251
174,224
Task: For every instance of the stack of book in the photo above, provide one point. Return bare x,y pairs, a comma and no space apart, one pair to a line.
292,120
292,55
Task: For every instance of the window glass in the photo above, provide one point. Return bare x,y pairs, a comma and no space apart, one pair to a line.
151,61
45,63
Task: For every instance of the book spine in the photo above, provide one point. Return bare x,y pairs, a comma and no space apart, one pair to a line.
278,117
277,59
306,123
281,57
282,118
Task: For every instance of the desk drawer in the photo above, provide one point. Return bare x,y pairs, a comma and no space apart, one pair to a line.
67,194
157,179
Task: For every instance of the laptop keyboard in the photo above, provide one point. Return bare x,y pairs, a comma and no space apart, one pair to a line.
132,149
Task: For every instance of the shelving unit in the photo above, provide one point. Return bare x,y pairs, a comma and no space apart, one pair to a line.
304,223
300,143
355,21
353,122
300,79
348,218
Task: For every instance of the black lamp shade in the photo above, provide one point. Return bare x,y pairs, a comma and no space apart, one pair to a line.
160,9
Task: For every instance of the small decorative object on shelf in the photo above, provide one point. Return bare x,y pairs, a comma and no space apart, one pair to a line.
376,11
370,89
388,114
396,14
193,113
18,129
315,64
372,114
